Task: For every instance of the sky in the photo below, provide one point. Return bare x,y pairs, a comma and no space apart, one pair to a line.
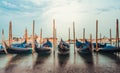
83,12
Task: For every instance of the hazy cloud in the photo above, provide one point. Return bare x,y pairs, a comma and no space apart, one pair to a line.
107,9
24,6
8,4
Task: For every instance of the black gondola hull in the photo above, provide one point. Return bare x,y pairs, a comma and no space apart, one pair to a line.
84,51
43,51
19,51
2,51
63,50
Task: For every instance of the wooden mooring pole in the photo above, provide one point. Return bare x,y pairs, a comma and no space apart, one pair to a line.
110,37
26,35
33,40
40,36
100,37
83,35
74,36
117,33
69,36
2,35
91,41
96,35
10,33
54,36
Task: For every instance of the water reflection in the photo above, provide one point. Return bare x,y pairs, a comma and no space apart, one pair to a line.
2,56
88,61
63,60
112,56
88,58
3,60
75,58
40,60
62,64
13,62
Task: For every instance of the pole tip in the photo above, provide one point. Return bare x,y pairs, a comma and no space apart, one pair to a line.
10,22
53,20
97,21
117,21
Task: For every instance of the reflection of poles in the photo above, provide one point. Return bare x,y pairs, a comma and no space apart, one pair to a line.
75,57
74,36
97,58
96,35
10,33
33,44
110,37
33,60
117,33
54,61
10,57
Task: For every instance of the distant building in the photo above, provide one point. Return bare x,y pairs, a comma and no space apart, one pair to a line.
50,39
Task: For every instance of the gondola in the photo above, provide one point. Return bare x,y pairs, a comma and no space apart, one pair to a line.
63,48
2,50
23,44
18,49
44,49
83,48
109,49
105,48
100,45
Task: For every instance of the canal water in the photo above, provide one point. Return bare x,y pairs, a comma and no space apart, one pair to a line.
74,63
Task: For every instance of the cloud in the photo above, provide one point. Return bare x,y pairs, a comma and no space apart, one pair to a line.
8,4
37,2
106,9
65,6
45,6
101,10
24,6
